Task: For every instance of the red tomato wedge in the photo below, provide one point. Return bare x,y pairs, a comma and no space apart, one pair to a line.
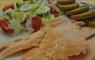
7,7
4,26
36,23
4,21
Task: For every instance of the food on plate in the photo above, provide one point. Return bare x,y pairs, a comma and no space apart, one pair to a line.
4,26
52,51
59,48
6,2
54,37
8,7
49,46
35,54
26,16
52,33
53,46
77,10
65,1
90,37
55,10
68,7
91,22
26,42
84,15
85,12
91,54
37,21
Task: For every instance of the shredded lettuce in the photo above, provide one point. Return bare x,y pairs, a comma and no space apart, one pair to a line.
34,1
3,15
26,7
16,25
37,7
10,13
18,5
17,17
43,9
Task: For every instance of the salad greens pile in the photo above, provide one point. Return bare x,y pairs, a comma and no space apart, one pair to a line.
18,16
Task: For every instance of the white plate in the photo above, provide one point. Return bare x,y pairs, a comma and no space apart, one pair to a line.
4,38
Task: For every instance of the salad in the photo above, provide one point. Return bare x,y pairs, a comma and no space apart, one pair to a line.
28,16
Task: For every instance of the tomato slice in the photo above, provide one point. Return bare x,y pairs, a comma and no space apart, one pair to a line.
36,23
4,26
4,21
8,30
7,7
